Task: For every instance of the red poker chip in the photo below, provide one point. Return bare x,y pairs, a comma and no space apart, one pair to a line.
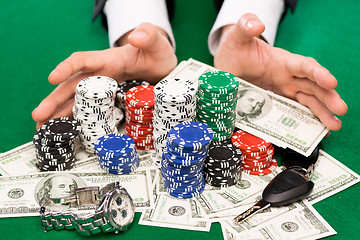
147,148
141,97
139,119
144,144
145,125
130,113
257,159
142,138
248,142
261,172
257,155
249,165
139,111
138,132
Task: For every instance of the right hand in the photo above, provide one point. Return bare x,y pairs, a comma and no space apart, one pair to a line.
148,56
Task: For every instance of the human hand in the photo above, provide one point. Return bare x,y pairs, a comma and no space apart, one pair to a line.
148,55
243,54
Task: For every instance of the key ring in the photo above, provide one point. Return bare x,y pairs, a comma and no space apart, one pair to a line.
303,165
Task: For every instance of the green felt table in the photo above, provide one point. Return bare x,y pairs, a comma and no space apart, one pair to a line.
36,35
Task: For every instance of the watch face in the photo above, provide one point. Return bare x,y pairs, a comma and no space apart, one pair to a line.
121,210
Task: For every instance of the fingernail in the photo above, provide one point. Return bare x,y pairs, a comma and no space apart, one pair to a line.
140,35
335,117
251,23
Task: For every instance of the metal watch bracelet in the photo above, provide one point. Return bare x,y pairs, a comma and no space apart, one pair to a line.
82,198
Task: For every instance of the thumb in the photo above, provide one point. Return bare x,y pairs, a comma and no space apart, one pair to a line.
248,27
148,37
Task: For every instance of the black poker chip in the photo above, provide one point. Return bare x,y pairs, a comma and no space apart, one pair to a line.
222,166
61,129
54,144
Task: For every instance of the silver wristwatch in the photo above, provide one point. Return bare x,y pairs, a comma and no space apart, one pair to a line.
114,210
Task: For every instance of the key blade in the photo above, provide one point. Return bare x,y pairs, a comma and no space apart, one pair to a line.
258,206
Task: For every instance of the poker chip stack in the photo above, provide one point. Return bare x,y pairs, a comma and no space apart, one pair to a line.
216,103
183,157
93,109
54,144
123,87
257,154
175,102
117,154
222,166
139,108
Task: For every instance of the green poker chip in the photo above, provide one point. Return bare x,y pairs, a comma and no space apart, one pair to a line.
218,82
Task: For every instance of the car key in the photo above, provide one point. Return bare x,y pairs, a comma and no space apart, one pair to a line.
287,187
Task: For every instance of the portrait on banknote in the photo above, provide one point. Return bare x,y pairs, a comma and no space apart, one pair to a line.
252,104
58,185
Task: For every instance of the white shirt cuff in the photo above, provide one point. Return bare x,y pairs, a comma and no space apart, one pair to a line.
123,16
268,11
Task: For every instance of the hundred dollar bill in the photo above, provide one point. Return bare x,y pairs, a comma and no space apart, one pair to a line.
173,213
20,194
301,223
277,119
330,177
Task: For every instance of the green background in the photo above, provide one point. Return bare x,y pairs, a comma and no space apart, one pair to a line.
36,35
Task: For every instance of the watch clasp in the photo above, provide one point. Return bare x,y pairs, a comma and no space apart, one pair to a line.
87,196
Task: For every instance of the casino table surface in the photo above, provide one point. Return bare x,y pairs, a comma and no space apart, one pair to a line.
36,35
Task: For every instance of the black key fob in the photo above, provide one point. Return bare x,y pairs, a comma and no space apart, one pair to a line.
291,158
287,187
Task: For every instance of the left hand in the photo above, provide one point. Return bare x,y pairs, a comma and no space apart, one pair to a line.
243,54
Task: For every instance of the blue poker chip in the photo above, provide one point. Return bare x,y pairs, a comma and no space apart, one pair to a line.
184,178
187,195
184,171
190,135
119,159
121,171
114,145
168,163
182,184
178,160
187,189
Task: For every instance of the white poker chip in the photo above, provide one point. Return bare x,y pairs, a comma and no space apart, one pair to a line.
94,108
97,87
175,90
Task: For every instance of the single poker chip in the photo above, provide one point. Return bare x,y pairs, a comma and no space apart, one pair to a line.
139,111
141,97
248,142
259,155
175,90
97,87
218,82
190,135
114,145
261,172
61,129
175,167
186,178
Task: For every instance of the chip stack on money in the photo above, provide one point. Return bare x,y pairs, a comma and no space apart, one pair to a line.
139,108
54,144
123,87
216,102
183,157
257,154
93,109
175,102
222,167
117,154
